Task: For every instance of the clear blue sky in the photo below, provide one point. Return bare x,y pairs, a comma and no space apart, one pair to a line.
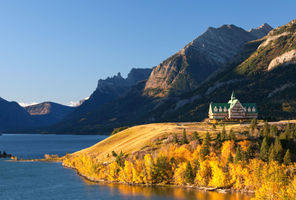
57,50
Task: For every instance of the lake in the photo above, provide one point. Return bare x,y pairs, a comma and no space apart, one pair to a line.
51,181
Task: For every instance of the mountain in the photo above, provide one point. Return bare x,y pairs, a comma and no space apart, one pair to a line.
264,72
114,105
86,118
48,113
261,31
189,67
13,116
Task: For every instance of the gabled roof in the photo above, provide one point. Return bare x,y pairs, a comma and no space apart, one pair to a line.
218,105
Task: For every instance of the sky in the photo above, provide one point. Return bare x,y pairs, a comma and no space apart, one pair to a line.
57,50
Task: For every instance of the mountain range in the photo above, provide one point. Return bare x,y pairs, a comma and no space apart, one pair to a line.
258,64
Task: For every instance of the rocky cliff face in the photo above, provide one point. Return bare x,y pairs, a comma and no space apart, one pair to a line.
189,67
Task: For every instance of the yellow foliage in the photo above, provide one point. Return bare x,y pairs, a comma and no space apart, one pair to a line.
227,147
219,178
180,173
204,174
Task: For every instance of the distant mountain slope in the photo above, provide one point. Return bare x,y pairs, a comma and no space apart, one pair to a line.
48,113
137,104
13,116
265,75
94,111
188,68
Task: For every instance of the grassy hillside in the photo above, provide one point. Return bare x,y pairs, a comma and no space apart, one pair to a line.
256,157
145,138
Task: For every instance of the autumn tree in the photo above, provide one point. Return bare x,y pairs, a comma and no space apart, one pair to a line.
189,175
264,150
161,170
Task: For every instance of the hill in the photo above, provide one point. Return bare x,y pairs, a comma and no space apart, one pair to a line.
12,115
48,113
256,157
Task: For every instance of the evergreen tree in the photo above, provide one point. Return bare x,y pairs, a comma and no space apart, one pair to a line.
196,137
195,166
287,131
205,147
231,135
218,141
287,157
208,137
271,151
184,138
238,155
253,124
264,150
230,158
265,129
189,175
176,140
223,134
278,149
250,152
273,131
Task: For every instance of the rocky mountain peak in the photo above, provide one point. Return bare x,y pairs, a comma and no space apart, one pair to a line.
261,31
189,67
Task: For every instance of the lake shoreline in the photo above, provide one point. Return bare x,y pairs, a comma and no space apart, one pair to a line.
207,189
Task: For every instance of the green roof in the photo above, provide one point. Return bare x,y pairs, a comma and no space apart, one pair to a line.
229,106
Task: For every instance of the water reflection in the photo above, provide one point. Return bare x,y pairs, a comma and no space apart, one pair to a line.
159,192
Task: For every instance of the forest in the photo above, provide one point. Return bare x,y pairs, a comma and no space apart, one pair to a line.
260,161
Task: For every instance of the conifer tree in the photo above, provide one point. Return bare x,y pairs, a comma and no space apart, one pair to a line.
278,149
273,131
231,135
184,138
218,141
195,166
208,137
189,175
253,124
223,134
196,137
250,152
264,150
287,157
238,155
230,158
271,151
205,151
265,129
176,141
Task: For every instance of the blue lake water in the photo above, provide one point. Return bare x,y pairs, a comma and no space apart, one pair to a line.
51,181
